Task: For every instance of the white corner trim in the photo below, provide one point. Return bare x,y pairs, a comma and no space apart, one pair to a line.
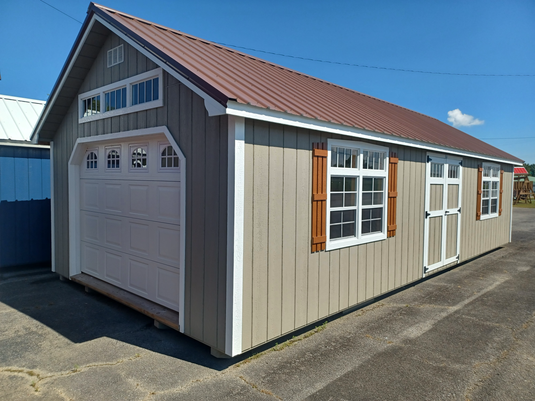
213,107
75,160
52,215
235,224
278,117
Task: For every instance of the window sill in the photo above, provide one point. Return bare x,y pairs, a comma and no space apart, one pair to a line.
349,242
489,216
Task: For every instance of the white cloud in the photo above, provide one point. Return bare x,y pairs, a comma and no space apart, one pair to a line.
458,119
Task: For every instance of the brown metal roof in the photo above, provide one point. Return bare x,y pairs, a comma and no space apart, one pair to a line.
226,74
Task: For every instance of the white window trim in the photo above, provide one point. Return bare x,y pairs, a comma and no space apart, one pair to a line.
491,180
366,238
156,73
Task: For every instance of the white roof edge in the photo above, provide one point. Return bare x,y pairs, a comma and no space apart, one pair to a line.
18,117
22,99
257,113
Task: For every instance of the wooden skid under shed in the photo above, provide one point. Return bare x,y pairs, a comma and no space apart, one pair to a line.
153,310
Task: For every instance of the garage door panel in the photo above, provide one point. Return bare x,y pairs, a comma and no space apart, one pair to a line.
113,232
168,243
139,235
138,276
90,195
168,201
113,267
130,226
138,196
90,227
166,286
90,255
113,195
157,201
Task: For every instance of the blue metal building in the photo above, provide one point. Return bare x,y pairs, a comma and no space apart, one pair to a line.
24,186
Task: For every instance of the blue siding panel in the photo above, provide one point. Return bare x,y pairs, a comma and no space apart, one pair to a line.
34,178
45,177
7,178
22,172
24,206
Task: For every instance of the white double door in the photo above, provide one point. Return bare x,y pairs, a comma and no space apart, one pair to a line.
442,211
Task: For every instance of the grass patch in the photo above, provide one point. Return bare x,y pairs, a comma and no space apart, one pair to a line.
526,205
284,345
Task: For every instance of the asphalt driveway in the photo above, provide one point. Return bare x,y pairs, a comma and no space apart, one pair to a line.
467,334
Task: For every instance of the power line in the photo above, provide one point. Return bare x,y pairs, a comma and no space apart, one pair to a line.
339,62
64,13
377,67
523,137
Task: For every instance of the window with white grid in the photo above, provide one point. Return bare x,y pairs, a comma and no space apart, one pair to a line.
356,189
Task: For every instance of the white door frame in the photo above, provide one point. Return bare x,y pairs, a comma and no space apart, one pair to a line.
446,160
76,160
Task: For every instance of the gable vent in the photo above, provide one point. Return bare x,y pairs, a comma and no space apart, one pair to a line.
115,56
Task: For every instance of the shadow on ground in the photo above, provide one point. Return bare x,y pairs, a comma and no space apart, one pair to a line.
81,317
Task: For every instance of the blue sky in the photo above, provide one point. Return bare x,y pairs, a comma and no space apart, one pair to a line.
477,37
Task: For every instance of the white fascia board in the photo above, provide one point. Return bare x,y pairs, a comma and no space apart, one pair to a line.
235,226
257,113
51,102
213,107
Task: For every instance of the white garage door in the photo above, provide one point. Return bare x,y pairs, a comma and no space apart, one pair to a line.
129,217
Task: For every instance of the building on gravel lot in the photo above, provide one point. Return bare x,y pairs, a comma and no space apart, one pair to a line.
247,199
24,185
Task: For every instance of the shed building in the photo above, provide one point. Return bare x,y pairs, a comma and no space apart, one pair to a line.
246,199
24,185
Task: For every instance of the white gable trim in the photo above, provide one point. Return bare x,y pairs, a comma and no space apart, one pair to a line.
278,117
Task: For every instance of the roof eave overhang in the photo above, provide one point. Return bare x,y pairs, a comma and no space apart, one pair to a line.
248,111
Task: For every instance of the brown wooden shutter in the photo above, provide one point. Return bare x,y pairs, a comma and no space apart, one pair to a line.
501,192
479,192
319,196
392,194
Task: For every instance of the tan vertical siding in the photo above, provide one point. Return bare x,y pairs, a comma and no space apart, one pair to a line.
203,140
280,272
481,236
